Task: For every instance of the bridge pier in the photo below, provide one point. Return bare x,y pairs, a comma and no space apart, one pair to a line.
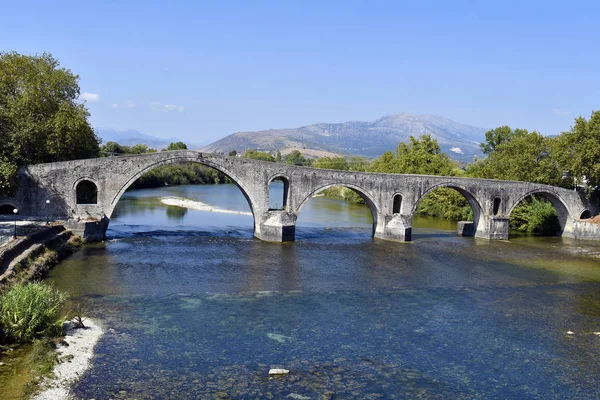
276,226
494,228
395,227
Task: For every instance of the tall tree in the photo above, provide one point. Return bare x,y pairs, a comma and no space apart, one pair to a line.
526,156
578,150
177,146
41,119
495,137
419,156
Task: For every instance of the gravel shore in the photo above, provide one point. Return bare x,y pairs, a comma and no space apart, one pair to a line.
197,205
75,360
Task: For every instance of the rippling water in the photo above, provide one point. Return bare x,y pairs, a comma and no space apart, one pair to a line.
198,308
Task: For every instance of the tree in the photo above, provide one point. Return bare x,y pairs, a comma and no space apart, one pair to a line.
419,156
177,146
110,148
331,163
41,119
526,156
578,150
232,153
495,137
278,156
258,155
295,158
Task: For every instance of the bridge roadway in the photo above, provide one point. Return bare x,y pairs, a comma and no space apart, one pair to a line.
86,192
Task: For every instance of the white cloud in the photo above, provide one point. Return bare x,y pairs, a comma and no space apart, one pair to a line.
156,106
561,112
89,96
127,104
457,150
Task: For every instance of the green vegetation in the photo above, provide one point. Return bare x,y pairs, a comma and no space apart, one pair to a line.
534,215
41,119
418,156
258,155
31,311
177,146
185,174
115,149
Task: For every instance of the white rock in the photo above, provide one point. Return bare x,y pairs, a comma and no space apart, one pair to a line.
570,333
278,371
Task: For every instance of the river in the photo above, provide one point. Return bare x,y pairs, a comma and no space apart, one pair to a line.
195,307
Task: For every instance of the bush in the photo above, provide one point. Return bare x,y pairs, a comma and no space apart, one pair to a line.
31,311
445,203
536,216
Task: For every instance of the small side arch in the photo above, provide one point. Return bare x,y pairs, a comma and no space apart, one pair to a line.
86,191
397,203
586,214
375,212
275,203
8,208
564,215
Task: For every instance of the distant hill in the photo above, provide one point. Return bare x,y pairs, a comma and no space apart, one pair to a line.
131,137
367,139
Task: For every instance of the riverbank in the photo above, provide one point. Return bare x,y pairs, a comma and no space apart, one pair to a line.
22,259
74,355
31,256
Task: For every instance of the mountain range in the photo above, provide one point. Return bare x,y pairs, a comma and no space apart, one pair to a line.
131,137
367,139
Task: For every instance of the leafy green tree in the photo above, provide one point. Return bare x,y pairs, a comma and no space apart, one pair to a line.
359,164
419,156
258,155
177,146
526,156
495,137
295,158
140,149
110,147
339,163
278,156
41,119
232,153
578,150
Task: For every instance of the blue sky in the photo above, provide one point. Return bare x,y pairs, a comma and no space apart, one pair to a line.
202,70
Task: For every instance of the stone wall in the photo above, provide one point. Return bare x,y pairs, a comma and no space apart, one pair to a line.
586,230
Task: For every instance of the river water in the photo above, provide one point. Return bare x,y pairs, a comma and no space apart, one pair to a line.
195,307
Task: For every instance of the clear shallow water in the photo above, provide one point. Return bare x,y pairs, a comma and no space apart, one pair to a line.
197,308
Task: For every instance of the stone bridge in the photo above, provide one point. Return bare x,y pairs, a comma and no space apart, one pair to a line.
87,192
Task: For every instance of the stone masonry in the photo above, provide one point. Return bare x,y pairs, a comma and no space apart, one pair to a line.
392,198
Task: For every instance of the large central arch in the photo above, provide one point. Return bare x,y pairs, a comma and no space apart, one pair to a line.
180,160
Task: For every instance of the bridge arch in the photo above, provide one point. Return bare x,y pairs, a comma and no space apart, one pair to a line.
286,189
86,191
367,197
564,215
465,192
179,160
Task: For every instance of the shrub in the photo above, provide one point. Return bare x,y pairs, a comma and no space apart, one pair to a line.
31,311
536,216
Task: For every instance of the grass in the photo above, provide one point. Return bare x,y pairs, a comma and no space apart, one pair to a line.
31,311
